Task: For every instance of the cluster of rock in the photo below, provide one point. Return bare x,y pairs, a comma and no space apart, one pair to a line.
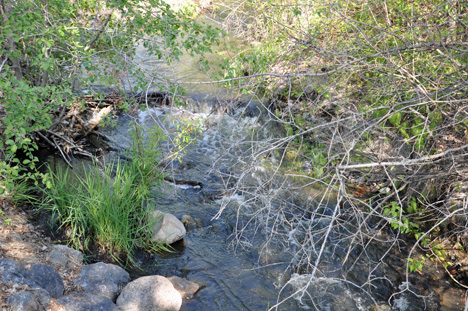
97,286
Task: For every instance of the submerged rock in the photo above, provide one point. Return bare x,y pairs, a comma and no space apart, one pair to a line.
168,229
102,279
149,293
86,302
187,289
191,223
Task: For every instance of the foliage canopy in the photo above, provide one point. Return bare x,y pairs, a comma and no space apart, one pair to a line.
51,49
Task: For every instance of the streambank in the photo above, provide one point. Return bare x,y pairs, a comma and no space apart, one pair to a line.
251,226
37,275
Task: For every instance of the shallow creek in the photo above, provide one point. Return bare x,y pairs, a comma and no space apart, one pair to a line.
257,235
245,255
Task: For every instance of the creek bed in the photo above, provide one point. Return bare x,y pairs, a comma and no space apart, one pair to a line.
242,256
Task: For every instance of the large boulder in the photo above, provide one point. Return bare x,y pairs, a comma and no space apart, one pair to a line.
149,293
167,229
85,302
102,279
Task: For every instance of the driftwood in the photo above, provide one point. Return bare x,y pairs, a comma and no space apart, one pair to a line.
72,125
75,127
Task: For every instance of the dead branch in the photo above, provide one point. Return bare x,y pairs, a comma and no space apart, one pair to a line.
419,161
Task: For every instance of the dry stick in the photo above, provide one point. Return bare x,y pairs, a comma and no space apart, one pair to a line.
3,63
335,212
63,138
448,272
72,123
466,301
55,145
422,160
99,32
46,139
89,155
59,119
64,156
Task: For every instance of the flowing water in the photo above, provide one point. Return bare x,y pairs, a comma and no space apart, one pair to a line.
231,277
251,256
257,234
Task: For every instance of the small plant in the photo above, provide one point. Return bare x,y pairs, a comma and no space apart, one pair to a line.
187,132
398,220
3,219
416,265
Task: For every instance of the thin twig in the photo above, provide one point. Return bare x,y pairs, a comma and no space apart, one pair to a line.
63,138
419,161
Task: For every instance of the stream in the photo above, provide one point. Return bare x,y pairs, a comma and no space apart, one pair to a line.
257,234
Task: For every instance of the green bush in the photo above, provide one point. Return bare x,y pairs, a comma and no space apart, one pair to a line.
51,49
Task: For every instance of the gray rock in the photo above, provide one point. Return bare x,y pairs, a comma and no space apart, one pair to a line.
36,299
12,271
57,259
75,258
103,279
38,277
46,277
167,229
149,293
187,289
191,223
24,301
42,297
86,302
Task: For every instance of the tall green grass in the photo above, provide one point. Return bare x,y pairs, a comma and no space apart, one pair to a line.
109,207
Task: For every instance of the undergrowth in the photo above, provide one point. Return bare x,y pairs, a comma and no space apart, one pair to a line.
111,206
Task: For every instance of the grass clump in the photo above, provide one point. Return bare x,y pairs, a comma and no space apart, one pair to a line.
108,206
